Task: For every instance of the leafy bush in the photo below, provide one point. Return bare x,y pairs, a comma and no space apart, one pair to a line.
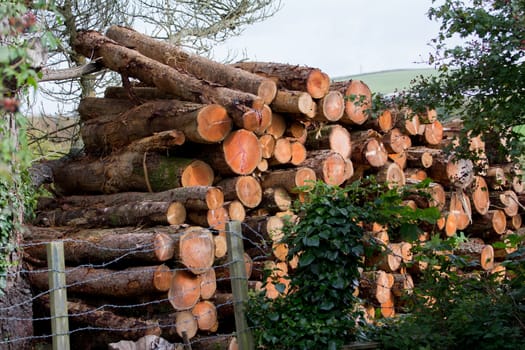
319,311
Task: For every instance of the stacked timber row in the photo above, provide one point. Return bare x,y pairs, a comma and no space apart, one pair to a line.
190,144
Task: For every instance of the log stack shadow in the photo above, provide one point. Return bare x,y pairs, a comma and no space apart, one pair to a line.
190,143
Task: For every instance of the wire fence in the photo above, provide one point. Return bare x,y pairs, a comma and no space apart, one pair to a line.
122,298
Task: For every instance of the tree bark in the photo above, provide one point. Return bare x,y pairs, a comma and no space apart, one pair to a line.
199,123
196,65
294,102
291,77
131,63
289,179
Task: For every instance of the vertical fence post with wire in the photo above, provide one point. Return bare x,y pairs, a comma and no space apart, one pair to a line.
58,295
239,281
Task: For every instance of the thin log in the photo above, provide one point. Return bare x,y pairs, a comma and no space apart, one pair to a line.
384,122
460,207
208,283
294,102
196,65
277,127
403,284
199,123
299,153
282,153
290,179
496,178
292,77
205,313
276,199
193,198
392,174
419,156
433,133
494,222
328,166
236,210
131,282
477,251
396,142
330,108
367,149
479,193
508,201
186,324
267,142
108,107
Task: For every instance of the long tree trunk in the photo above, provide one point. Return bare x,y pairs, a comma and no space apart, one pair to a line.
199,123
133,64
196,65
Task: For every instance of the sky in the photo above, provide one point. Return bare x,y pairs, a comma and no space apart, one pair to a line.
341,37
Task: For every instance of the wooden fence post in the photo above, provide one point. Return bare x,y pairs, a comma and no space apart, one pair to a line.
58,295
239,282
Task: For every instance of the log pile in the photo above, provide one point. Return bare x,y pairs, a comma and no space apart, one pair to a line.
189,144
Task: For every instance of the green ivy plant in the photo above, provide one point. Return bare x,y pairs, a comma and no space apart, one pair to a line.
319,309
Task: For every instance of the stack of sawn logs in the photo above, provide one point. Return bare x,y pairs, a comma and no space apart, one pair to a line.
195,143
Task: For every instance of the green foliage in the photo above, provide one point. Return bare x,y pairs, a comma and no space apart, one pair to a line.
319,309
482,79
452,308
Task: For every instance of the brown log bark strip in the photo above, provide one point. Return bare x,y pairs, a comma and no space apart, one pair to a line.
125,172
193,198
328,166
199,123
185,290
93,107
129,214
330,108
294,102
143,93
125,327
131,282
159,141
493,222
358,100
196,65
291,77
396,142
101,246
132,63
333,137
367,149
289,179
246,189
205,313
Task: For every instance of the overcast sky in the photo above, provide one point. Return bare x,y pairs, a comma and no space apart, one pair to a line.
341,37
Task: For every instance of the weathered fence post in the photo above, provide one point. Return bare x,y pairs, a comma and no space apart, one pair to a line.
58,295
239,282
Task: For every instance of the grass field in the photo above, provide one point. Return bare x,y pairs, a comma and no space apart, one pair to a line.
388,81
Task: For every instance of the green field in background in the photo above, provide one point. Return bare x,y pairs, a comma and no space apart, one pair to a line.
388,81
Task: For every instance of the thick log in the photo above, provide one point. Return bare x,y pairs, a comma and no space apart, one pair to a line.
367,149
244,108
192,197
185,290
333,137
108,107
433,134
479,193
294,102
102,246
328,166
358,101
433,196
142,93
291,77
131,282
99,319
196,65
240,154
282,152
493,223
129,171
205,313
129,214
496,178
376,284
330,108
186,324
408,122
396,142
289,179
246,189
195,249
399,158
199,123
263,229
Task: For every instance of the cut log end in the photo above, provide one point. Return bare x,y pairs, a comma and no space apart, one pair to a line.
162,278
257,120
267,90
305,177
358,100
242,151
318,83
198,173
375,153
332,106
176,214
184,291
214,198
197,250
213,122
249,191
